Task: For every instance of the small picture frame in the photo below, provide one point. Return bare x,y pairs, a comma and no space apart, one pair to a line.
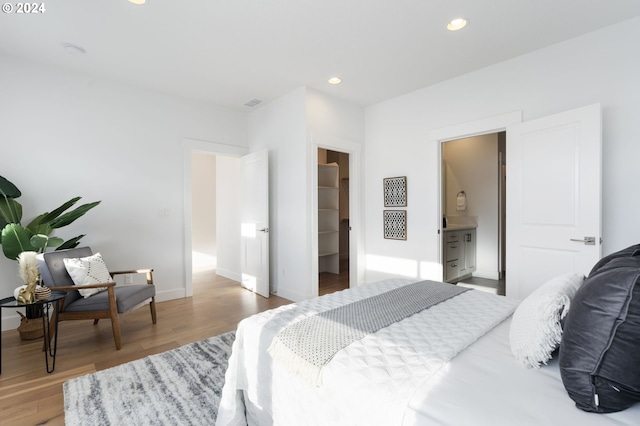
395,191
395,224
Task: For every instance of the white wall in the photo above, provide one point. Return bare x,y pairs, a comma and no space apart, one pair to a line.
332,117
203,211
228,216
291,127
600,67
280,127
64,135
338,126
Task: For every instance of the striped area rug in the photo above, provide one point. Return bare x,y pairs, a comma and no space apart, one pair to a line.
178,387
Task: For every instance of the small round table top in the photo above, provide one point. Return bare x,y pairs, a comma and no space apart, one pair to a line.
11,302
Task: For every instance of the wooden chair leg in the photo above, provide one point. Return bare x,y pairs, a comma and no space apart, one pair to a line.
152,307
115,320
115,326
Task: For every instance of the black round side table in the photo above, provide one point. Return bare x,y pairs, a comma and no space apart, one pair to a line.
47,304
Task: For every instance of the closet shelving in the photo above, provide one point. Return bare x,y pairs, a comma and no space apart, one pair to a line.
328,218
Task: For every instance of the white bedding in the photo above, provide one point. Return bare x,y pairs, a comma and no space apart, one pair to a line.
485,385
395,377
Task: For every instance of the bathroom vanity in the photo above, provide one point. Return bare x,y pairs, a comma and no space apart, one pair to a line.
459,252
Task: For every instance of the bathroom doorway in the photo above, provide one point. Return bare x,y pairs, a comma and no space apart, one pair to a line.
473,197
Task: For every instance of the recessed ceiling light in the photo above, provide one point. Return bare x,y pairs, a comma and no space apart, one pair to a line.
138,1
74,49
457,24
334,80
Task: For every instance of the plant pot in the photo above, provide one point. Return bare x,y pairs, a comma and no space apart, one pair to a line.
30,328
33,311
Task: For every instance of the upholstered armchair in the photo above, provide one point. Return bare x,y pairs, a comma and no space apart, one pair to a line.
100,298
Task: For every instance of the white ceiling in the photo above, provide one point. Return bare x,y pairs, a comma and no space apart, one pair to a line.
228,52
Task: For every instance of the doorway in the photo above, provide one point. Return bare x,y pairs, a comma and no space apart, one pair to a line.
189,147
539,235
333,221
214,219
473,211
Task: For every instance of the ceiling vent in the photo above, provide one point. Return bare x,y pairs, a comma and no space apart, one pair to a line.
253,103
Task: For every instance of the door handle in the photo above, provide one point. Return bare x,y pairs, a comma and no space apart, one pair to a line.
588,241
265,230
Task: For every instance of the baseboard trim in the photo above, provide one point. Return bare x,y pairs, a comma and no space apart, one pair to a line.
290,295
177,293
235,276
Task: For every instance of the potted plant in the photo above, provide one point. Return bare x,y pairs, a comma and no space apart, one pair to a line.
16,238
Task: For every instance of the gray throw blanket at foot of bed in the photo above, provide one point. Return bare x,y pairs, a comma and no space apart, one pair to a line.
306,346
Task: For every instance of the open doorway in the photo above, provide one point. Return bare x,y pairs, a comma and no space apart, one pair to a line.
473,208
333,221
214,219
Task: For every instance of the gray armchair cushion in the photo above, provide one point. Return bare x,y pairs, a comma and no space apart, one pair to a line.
127,297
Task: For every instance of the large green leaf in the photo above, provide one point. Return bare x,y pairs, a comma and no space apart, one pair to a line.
39,226
15,240
74,214
42,242
71,243
50,217
10,211
8,190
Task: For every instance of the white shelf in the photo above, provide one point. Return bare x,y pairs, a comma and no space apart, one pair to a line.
328,218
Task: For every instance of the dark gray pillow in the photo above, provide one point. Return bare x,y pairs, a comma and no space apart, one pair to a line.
600,344
628,252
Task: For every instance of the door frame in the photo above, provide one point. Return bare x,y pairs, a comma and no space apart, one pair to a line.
190,146
356,233
437,137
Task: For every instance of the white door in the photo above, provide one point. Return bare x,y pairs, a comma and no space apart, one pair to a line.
553,198
254,240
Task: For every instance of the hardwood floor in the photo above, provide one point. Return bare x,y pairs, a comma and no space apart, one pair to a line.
30,396
330,283
491,286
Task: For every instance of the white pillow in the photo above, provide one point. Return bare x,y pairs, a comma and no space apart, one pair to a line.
88,270
535,327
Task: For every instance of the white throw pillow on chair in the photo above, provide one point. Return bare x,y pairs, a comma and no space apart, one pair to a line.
88,270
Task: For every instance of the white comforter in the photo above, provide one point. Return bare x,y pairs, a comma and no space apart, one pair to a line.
371,382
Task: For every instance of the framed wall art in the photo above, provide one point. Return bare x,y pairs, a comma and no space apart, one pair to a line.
395,224
395,191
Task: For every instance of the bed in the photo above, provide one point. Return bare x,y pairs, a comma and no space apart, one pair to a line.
464,372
